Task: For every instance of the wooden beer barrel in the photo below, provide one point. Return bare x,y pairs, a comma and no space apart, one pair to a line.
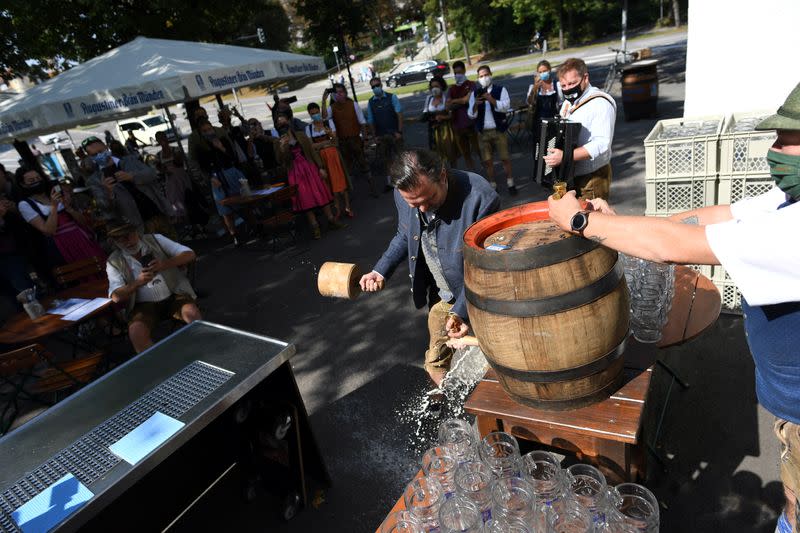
550,309
640,89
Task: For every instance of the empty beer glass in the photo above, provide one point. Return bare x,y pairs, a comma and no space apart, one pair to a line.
424,498
401,522
587,485
633,505
513,499
460,436
543,470
459,515
505,525
500,452
439,462
569,516
474,482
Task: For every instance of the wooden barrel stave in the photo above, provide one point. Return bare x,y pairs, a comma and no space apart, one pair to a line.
529,344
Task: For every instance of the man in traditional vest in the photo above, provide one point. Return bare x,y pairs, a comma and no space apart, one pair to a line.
385,117
351,130
145,271
597,112
488,105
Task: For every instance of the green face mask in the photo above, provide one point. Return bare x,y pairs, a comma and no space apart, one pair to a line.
785,170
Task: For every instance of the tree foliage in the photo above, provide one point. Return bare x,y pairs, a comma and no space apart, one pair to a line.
53,33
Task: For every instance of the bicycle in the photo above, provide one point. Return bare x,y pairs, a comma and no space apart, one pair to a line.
616,67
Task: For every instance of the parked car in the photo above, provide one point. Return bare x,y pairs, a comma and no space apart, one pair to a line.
52,138
415,72
145,129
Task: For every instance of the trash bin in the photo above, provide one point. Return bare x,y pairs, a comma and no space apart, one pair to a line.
640,89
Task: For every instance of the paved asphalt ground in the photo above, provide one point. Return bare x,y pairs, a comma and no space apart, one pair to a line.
359,363
359,366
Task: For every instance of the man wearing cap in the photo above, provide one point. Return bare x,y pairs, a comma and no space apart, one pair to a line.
145,271
754,239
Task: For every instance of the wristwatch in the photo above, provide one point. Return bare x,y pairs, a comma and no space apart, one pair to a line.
579,221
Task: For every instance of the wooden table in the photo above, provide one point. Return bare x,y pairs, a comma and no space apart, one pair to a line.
276,218
607,434
20,329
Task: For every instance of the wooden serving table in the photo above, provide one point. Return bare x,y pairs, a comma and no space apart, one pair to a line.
606,434
20,329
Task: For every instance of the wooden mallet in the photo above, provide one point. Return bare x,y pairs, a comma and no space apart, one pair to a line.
339,280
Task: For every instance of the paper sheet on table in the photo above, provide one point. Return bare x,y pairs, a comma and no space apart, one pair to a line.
68,306
45,510
264,192
87,308
146,437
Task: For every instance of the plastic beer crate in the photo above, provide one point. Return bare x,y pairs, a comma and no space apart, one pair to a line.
682,162
728,291
743,168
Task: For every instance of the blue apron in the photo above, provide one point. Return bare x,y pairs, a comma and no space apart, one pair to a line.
773,334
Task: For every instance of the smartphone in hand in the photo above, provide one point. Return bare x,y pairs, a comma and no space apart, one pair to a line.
110,170
146,260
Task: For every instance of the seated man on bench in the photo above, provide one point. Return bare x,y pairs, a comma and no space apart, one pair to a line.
144,271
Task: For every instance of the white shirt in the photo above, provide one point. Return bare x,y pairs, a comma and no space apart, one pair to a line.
503,105
597,120
759,249
431,108
359,113
542,91
157,289
311,129
28,213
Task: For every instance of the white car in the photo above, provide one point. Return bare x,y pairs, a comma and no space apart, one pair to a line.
52,138
145,129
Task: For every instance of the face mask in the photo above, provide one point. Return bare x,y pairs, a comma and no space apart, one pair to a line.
102,158
316,117
340,97
37,188
377,91
485,81
282,129
572,95
210,136
544,76
137,248
460,78
785,170
436,91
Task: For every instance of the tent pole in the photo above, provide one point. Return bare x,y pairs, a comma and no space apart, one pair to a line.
174,129
236,98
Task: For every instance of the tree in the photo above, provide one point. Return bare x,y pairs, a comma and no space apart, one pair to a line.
329,22
83,29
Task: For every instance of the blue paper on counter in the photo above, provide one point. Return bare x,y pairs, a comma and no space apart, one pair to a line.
146,437
48,508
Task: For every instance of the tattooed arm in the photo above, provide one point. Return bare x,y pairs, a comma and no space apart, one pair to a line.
652,238
704,216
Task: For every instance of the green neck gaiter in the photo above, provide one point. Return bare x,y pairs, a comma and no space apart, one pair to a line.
785,170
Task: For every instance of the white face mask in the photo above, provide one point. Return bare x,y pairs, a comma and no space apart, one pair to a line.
485,81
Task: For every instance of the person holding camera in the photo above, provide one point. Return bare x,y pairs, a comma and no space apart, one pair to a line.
50,211
488,105
125,186
351,129
146,272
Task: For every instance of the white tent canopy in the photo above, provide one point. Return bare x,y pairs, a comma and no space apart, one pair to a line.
139,75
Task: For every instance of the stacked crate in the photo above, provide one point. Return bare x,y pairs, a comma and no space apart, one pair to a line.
682,160
710,160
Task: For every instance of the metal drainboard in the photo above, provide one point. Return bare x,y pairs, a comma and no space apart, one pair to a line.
89,458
